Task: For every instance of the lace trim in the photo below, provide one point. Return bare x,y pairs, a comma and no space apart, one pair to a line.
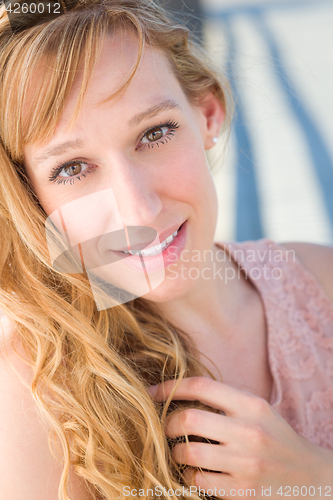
299,319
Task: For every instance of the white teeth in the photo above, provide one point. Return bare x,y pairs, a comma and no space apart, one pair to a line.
156,249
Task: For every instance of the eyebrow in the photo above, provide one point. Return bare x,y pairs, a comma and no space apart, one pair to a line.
62,148
59,149
152,111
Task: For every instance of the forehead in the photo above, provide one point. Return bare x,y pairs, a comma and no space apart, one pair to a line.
154,77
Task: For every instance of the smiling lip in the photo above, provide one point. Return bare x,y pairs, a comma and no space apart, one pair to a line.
170,255
161,237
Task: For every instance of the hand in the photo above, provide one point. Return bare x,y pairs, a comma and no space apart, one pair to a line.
258,450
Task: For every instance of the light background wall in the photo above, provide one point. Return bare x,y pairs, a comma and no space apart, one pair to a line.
275,178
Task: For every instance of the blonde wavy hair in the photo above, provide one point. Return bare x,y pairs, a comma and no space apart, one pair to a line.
91,368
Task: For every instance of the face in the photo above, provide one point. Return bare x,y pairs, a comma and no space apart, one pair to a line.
132,169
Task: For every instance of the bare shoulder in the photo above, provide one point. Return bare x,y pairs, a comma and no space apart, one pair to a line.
318,259
24,449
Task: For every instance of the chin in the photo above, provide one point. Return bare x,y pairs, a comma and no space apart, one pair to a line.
170,290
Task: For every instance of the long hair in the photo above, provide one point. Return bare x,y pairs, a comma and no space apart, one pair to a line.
91,368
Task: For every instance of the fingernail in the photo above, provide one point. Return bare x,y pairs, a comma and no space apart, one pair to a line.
152,390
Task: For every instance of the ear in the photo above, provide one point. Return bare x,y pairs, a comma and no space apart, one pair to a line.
212,114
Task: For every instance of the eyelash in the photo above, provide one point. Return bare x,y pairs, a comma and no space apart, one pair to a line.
172,125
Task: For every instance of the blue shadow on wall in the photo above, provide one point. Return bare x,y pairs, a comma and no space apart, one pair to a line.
248,211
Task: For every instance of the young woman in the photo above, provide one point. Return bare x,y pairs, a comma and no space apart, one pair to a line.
112,101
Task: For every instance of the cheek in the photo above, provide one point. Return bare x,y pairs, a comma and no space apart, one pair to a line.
43,193
50,196
49,201
187,175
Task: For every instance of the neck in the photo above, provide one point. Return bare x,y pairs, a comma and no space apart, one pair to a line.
210,308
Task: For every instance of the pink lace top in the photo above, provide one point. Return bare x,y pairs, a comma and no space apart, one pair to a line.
299,318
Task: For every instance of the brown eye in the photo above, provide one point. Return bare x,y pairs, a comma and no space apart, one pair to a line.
159,134
73,169
70,171
155,134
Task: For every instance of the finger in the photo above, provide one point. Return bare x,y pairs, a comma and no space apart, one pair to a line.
219,485
210,487
193,421
215,394
189,475
206,456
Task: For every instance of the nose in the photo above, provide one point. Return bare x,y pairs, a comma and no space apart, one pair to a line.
136,194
